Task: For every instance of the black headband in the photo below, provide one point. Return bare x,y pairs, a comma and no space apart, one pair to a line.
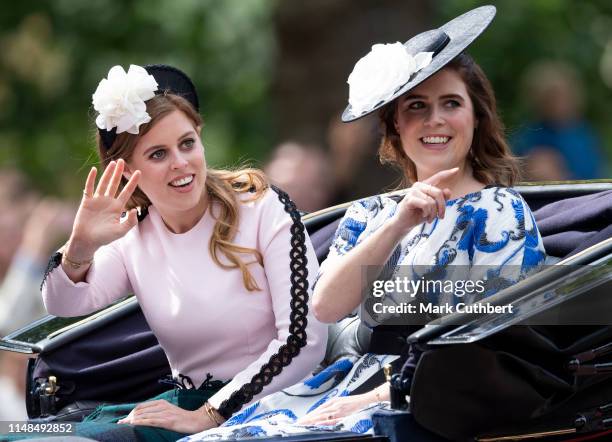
169,80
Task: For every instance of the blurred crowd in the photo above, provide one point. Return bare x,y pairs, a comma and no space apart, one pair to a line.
31,227
346,169
558,143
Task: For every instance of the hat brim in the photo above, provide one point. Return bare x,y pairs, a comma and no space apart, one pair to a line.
457,35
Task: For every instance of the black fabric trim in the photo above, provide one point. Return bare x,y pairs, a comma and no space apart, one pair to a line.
142,214
54,262
299,309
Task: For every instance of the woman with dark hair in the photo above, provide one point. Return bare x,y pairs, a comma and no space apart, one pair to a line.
197,246
441,128
489,157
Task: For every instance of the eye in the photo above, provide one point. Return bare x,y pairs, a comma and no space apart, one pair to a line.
188,143
416,105
452,103
158,154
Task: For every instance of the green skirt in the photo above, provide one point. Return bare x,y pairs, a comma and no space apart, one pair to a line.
101,425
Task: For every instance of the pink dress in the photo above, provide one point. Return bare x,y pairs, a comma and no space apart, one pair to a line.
202,315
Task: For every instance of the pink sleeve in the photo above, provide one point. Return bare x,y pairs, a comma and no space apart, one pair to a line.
106,282
275,239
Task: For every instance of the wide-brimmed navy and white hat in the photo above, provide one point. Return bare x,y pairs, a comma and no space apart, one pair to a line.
390,70
120,98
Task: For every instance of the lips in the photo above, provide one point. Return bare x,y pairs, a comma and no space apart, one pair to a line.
182,181
436,139
435,142
183,184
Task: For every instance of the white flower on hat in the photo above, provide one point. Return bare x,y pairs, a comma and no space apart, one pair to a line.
379,74
120,99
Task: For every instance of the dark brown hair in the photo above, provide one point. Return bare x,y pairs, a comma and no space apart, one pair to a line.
223,186
490,156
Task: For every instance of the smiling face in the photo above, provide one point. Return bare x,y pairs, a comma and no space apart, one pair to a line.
436,123
170,157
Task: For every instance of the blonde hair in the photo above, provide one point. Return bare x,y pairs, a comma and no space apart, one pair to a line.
490,156
223,187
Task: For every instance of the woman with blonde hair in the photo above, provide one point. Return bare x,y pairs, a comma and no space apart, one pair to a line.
198,247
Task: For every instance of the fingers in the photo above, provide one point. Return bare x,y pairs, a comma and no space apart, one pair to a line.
144,411
149,421
436,178
113,185
319,419
90,183
149,405
328,413
437,195
158,413
328,422
129,188
105,179
110,181
310,420
425,203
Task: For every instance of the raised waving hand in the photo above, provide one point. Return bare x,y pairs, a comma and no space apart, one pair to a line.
98,220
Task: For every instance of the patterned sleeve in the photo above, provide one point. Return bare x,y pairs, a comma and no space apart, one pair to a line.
361,219
506,245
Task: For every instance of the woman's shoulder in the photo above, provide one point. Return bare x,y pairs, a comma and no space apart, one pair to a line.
493,198
267,206
261,199
367,209
493,209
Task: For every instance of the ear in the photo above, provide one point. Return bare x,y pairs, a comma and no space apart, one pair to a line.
199,130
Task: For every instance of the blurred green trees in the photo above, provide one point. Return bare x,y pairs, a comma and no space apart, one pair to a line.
54,52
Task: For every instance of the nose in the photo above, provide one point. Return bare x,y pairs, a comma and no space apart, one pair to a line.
434,117
179,160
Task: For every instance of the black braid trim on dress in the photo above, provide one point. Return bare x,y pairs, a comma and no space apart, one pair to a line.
54,262
299,309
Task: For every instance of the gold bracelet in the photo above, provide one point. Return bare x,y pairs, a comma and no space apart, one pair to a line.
210,411
76,264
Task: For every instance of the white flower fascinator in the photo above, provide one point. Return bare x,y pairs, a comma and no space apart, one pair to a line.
120,99
391,70
379,74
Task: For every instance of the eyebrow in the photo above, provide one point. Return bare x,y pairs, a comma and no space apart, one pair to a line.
441,97
159,146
